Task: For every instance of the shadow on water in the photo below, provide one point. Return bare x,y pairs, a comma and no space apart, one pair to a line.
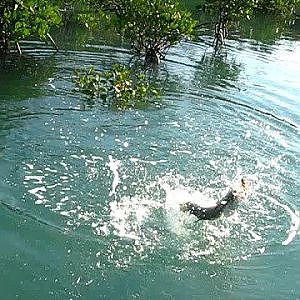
23,79
25,76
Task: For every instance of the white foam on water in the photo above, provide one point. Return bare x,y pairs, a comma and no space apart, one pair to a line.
51,170
68,213
276,136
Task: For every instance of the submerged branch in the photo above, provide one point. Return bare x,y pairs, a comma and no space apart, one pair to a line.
19,48
52,41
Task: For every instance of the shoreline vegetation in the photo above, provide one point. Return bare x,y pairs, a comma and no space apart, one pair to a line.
150,27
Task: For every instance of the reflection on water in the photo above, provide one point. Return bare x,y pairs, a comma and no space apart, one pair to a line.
216,71
261,30
87,190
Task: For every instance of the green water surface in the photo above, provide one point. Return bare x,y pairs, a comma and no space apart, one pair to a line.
90,194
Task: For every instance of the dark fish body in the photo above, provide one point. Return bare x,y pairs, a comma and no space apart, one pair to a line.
210,213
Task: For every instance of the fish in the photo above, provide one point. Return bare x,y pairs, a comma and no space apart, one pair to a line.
234,195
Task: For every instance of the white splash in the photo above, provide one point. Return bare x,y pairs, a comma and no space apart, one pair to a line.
114,165
128,215
175,196
295,220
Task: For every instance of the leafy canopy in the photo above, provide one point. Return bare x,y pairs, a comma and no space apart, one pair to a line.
279,7
150,26
230,10
233,10
21,19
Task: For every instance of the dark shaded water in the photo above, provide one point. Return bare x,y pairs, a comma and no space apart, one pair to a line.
90,195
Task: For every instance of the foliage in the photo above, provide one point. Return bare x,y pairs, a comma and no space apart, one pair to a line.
279,7
70,9
150,26
119,86
234,10
20,19
230,10
226,13
94,20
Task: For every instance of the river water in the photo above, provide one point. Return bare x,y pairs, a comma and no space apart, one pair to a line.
90,194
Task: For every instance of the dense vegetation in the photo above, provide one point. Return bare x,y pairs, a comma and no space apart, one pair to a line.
150,27
283,8
20,19
227,13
